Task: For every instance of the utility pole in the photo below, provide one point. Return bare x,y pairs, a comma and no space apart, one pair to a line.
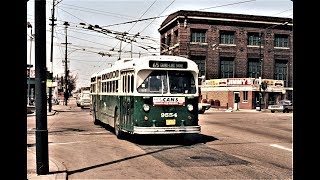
29,78
42,158
66,84
261,84
261,70
51,55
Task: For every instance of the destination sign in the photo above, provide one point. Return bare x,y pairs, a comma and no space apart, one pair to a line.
168,64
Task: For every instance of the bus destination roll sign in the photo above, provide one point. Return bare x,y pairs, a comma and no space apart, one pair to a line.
168,64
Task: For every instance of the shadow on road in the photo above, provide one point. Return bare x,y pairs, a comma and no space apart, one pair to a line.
176,139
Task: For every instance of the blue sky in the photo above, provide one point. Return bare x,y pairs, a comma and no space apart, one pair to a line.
87,46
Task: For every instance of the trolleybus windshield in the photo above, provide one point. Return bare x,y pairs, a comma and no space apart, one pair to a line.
163,82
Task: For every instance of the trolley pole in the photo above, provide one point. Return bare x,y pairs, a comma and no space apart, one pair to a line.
41,85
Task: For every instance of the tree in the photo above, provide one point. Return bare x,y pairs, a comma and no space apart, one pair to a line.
71,82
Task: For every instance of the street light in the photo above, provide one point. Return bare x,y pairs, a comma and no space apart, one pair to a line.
261,60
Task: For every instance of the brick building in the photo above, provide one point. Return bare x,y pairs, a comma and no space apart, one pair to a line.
233,46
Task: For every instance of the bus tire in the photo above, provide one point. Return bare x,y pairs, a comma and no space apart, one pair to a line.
117,129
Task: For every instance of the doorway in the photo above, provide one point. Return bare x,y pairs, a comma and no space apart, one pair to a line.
236,101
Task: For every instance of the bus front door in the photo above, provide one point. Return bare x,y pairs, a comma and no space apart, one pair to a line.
127,113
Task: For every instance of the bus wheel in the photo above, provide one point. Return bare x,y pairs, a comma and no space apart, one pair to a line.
117,130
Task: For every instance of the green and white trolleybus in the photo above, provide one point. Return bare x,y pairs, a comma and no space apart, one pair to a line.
147,95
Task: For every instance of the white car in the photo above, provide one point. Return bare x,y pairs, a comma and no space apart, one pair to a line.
282,106
84,99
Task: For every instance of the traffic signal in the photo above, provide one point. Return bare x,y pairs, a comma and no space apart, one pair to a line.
264,85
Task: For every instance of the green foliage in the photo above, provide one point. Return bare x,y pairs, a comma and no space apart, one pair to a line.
71,81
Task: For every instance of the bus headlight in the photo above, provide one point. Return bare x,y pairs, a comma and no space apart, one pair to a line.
146,107
190,107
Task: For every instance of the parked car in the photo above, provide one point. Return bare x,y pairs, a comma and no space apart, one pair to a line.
83,99
282,106
203,107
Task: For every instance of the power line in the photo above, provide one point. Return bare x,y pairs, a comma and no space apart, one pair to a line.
146,28
72,15
101,12
136,23
282,12
156,17
226,5
143,14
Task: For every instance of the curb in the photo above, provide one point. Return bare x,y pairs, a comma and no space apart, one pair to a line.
238,111
57,172
62,170
53,112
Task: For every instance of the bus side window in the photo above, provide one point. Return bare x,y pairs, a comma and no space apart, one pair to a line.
117,86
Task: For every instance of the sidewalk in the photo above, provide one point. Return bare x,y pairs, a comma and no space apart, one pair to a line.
56,169
240,110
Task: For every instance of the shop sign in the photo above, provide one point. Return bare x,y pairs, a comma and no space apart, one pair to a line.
239,81
274,83
215,82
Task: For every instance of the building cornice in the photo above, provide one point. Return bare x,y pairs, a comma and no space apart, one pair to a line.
266,20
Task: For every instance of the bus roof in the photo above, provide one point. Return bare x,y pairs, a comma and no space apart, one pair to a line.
143,63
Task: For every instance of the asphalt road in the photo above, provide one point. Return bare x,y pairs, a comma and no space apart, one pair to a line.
232,145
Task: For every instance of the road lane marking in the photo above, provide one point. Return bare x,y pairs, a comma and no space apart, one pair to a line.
281,147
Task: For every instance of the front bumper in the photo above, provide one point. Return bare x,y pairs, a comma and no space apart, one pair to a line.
167,130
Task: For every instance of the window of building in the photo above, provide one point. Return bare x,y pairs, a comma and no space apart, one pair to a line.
254,68
245,96
227,37
253,39
176,37
163,43
226,67
169,43
280,71
201,62
281,40
198,35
